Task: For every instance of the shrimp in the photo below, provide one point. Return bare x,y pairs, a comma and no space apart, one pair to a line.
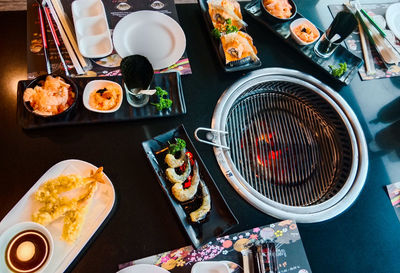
73,219
183,195
176,178
56,206
175,162
51,188
205,207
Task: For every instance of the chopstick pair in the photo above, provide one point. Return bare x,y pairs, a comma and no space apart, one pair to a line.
374,34
44,39
381,32
81,64
45,10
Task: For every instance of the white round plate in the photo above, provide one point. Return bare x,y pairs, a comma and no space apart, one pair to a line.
393,19
143,268
152,34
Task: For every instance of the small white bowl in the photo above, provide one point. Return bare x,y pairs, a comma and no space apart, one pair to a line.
297,22
96,85
18,228
210,267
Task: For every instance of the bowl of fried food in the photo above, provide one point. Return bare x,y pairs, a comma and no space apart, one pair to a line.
50,96
278,10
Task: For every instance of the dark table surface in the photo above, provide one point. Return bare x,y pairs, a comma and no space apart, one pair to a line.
363,239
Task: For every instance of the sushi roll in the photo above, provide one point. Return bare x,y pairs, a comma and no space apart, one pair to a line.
238,48
223,12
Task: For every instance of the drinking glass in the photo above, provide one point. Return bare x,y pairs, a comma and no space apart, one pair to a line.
324,47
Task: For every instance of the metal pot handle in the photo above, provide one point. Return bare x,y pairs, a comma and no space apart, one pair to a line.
213,132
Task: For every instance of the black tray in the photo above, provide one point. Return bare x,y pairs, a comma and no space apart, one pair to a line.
218,46
80,115
340,55
219,220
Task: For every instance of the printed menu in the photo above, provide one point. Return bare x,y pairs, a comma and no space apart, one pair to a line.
290,252
107,66
394,195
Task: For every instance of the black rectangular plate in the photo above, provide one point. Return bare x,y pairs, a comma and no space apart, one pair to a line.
218,46
340,55
80,115
220,218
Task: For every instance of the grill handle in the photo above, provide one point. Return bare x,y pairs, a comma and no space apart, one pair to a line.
213,133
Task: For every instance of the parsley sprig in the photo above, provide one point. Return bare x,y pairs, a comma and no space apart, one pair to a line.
226,29
338,71
176,147
163,103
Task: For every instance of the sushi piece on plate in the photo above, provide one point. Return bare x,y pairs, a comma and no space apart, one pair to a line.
238,48
224,11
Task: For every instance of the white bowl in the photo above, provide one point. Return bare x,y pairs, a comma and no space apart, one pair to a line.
18,228
96,85
210,267
297,22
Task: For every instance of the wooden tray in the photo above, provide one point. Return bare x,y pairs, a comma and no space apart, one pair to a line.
80,115
220,218
100,208
218,46
340,55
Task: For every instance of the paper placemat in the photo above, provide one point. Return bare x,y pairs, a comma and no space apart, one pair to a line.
354,45
107,66
289,250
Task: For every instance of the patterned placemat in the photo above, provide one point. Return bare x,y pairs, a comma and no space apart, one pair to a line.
107,66
377,11
289,250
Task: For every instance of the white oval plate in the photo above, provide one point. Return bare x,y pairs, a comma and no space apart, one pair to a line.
102,204
152,34
143,268
96,85
393,19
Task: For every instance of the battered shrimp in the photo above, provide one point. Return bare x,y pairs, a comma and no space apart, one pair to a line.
73,219
182,194
56,206
205,207
176,178
53,187
175,162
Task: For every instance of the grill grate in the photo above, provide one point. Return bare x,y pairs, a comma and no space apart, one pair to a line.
289,144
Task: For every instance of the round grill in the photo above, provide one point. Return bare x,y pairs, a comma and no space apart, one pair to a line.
290,145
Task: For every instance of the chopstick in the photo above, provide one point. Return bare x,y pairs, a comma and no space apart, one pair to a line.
381,32
56,6
77,65
44,39
56,40
369,66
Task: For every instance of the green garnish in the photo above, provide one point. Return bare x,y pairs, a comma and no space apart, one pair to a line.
163,103
177,147
338,71
216,33
231,29
226,29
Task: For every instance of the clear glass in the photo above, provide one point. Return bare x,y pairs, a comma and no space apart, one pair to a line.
135,99
324,47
